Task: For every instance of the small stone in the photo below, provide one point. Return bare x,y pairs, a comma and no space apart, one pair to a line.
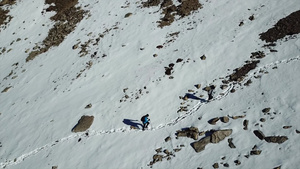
167,152
159,150
286,127
255,152
198,86
266,110
216,165
259,134
245,123
177,149
262,120
167,139
6,89
276,139
237,162
279,167
127,15
155,55
54,167
157,158
231,145
88,106
225,119
226,165
297,131
203,57
213,121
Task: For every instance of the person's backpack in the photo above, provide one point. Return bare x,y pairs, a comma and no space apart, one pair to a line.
143,118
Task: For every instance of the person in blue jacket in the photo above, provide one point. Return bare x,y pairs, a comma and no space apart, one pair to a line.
145,120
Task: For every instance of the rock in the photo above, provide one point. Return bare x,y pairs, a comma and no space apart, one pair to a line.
127,15
279,167
203,57
6,89
213,121
262,119
245,123
192,132
158,150
83,124
225,119
54,167
266,110
238,117
259,134
133,127
157,158
226,165
198,86
167,139
177,149
286,127
88,106
215,165
297,131
276,139
237,162
255,152
200,145
220,135
231,145
167,152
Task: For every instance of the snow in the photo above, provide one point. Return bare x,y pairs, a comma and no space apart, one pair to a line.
46,100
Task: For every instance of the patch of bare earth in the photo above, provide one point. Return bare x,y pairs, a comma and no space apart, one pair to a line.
289,25
66,18
169,10
4,17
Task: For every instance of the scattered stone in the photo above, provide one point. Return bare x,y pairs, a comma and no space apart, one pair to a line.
232,90
225,119
297,131
133,128
215,165
6,89
203,57
255,152
167,139
83,124
257,55
286,127
245,123
237,162
88,106
157,158
220,135
167,152
226,165
262,119
231,145
179,60
213,121
248,82
259,134
54,167
223,87
251,18
159,150
276,139
279,167
177,149
266,110
240,73
238,117
198,86
127,15
159,46
241,23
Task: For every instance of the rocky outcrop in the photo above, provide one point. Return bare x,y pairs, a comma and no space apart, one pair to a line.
83,124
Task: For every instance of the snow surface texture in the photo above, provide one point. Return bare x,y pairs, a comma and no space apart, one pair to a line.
47,95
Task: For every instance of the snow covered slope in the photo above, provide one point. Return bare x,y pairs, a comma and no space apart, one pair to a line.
58,57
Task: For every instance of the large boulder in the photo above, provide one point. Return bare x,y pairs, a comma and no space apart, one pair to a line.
276,139
220,135
83,124
200,145
192,132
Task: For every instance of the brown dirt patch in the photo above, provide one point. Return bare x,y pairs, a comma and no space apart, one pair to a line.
169,10
289,25
67,16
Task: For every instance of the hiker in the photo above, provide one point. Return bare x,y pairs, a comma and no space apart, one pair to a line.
145,120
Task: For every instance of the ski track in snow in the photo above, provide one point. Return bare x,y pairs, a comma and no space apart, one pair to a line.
173,122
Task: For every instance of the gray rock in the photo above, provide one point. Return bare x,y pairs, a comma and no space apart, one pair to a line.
266,110
200,145
245,123
83,124
220,135
157,158
167,139
255,152
216,165
259,134
276,139
192,132
213,121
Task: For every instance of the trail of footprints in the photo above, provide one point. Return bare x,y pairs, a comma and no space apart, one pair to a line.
194,109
